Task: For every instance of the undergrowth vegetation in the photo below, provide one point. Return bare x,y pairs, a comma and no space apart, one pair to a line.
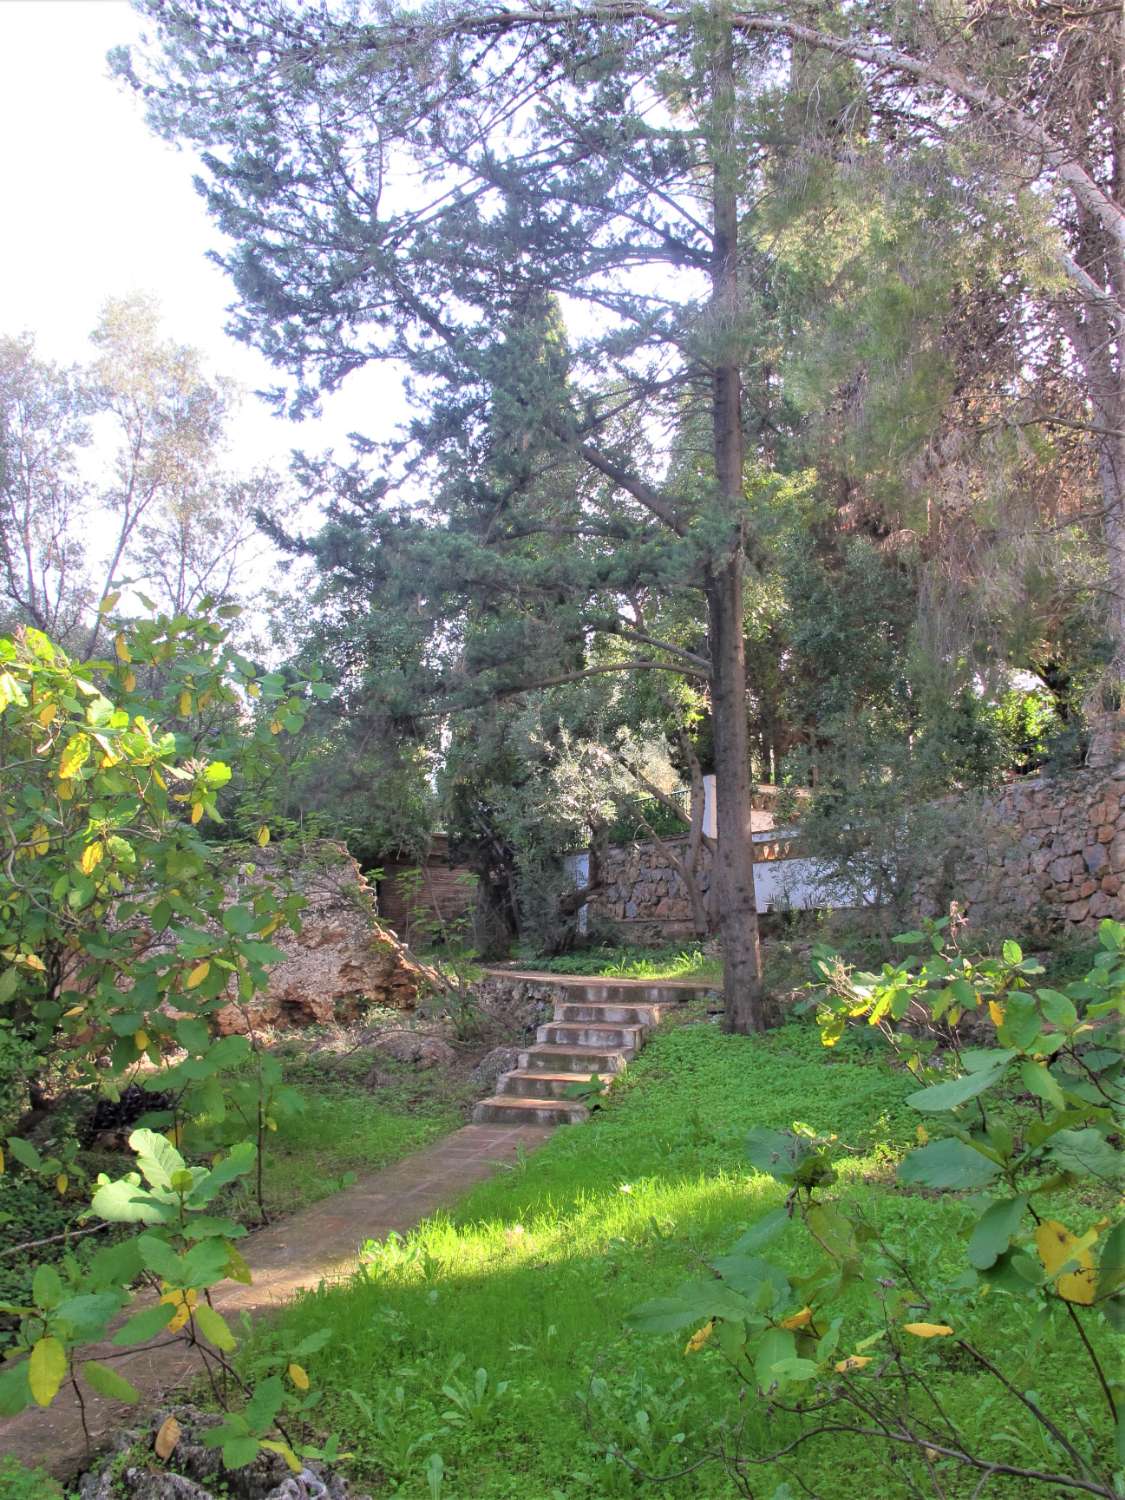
488,1353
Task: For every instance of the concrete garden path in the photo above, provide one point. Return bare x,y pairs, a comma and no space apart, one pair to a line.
318,1244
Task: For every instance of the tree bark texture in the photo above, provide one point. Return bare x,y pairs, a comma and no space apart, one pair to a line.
733,871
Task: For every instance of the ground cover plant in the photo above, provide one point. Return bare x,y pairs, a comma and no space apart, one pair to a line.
491,1353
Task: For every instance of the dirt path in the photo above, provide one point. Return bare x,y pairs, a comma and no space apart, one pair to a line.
318,1244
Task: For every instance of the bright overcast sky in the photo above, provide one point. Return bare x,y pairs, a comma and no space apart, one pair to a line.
96,206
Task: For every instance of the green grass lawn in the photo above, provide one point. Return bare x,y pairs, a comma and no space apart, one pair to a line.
529,1281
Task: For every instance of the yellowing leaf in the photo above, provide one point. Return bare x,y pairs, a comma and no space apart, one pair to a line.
184,1303
196,811
285,1451
928,1330
798,1319
62,1182
40,839
275,726
46,1370
74,757
1057,1246
198,974
92,856
33,961
129,682
47,714
1,1161
298,1376
185,704
167,1436
263,836
996,1012
75,1010
699,1338
853,1362
252,689
140,1040
121,646
922,1134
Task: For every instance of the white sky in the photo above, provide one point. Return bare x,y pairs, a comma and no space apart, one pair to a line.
96,206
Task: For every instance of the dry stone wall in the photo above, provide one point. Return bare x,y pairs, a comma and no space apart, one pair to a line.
1049,849
1046,850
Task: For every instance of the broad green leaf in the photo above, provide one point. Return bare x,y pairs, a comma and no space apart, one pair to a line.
1057,1007
25,1153
262,1408
46,1287
1012,952
775,1345
213,1326
763,1233
240,920
46,1370
994,1230
145,1325
1085,1152
948,1163
109,1383
691,1305
15,1394
1039,1082
86,1315
125,1202
940,1097
778,1153
239,1451
763,1283
157,1158
158,1256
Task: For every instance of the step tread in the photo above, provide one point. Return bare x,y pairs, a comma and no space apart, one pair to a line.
574,1049
548,1077
602,981
517,1102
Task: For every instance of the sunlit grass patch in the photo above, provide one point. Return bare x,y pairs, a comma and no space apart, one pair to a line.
529,1279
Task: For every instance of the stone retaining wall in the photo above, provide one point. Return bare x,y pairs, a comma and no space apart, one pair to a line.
1046,850
1049,850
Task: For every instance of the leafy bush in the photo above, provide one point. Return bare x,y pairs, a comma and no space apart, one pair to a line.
123,932
1017,1122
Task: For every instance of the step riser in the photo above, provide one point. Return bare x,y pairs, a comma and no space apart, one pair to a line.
580,1035
610,1015
575,1062
606,991
490,1112
510,1084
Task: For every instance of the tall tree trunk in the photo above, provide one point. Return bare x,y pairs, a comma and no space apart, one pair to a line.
733,870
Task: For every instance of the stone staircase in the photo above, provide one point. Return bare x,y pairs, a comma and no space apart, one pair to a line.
598,1026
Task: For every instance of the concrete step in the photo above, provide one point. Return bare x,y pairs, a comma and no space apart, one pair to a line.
590,1034
511,1110
580,988
609,1012
532,1085
548,1058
